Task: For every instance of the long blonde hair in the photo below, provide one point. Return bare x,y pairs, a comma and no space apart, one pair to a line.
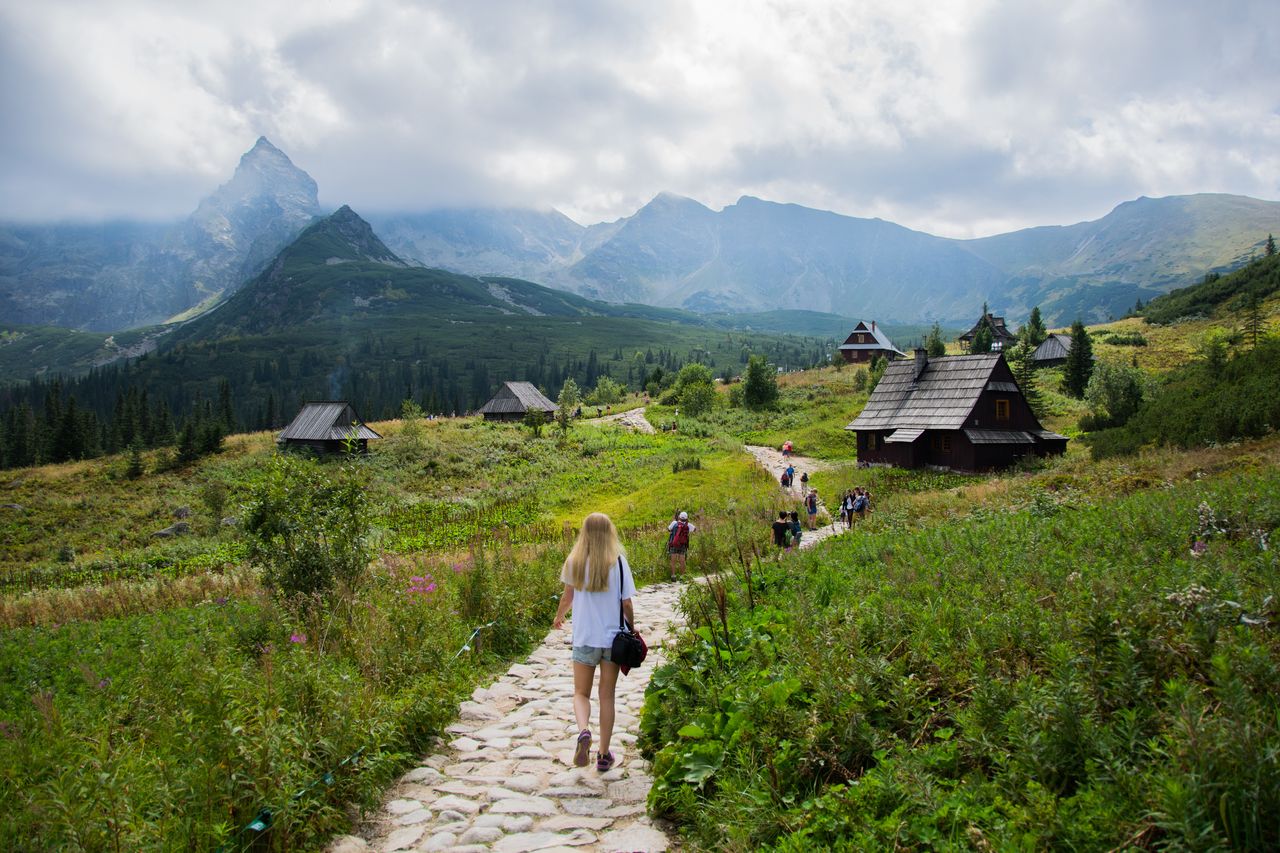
594,555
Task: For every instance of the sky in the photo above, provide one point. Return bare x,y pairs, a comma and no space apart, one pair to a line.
957,118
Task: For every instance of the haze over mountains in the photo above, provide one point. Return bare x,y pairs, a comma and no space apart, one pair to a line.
674,252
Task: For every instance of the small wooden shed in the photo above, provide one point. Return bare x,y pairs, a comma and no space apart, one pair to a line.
514,400
1053,351
326,426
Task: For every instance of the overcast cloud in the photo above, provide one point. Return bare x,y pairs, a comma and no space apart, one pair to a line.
961,119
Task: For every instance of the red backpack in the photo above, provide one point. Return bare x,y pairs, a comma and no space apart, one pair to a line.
681,537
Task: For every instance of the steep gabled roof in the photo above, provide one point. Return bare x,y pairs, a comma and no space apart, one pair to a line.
942,398
326,420
517,398
999,331
881,340
1054,347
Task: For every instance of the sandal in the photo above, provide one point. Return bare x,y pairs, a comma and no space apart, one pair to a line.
604,761
583,749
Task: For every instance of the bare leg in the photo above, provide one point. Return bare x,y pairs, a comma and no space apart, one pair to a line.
583,675
608,682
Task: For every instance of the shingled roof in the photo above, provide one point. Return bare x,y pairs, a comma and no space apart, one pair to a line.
326,420
942,398
1055,347
517,398
881,340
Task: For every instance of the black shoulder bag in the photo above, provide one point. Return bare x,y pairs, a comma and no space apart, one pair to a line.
629,648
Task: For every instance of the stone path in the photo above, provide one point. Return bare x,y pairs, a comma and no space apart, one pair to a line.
772,461
506,781
633,418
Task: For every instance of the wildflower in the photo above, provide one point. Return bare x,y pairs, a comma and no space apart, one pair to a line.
422,585
103,683
298,638
222,599
9,730
1198,548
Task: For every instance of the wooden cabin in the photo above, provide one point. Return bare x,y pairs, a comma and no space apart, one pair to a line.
326,426
1001,337
866,342
963,413
1053,351
514,400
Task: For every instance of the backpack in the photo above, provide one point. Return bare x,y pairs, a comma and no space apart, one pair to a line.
680,536
811,503
859,504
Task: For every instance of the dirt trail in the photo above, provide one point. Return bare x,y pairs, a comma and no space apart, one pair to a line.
633,418
772,461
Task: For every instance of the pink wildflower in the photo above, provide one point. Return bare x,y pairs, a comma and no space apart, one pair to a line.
298,638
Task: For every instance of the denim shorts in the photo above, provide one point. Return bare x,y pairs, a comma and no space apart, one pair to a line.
590,655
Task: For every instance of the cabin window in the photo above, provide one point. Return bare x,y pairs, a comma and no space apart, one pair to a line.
946,444
1002,410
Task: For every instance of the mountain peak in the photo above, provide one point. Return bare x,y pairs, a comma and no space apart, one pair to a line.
342,236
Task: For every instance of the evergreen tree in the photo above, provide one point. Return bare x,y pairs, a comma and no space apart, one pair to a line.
1022,363
1254,324
760,385
567,402
934,344
1271,246
1079,366
226,414
1034,331
982,339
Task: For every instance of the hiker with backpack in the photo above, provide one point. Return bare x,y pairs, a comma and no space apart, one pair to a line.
796,530
678,542
781,529
811,508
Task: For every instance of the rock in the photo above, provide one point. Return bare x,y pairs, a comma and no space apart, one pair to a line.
451,802
465,744
399,807
182,512
529,752
414,818
440,841
539,840
348,844
230,521
421,774
21,508
634,837
563,822
524,805
587,806
625,810
480,835
452,816
179,529
524,784
629,790
402,838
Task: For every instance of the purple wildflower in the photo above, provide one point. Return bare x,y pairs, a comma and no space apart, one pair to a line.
105,682
298,638
222,599
422,585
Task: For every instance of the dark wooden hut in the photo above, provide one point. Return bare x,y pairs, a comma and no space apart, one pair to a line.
514,400
1001,337
326,426
1053,351
866,342
964,413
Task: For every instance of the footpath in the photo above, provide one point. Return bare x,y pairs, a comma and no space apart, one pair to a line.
633,418
773,462
506,780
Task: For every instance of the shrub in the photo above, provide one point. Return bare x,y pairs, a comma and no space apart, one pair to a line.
760,386
308,528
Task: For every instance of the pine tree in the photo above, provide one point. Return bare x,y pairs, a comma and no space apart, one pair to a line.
1271,246
934,344
1034,331
1023,364
1254,325
1079,366
982,339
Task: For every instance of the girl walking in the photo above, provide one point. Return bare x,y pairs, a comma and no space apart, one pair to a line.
595,577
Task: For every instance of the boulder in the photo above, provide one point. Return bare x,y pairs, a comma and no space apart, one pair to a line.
179,529
182,512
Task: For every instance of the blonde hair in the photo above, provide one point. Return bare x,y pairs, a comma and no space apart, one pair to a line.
594,555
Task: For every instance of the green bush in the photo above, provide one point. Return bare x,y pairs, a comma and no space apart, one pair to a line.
308,528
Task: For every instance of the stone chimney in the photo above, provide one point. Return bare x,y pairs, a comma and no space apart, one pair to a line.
873,327
922,361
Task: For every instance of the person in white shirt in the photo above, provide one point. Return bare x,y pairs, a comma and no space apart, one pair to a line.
678,542
596,579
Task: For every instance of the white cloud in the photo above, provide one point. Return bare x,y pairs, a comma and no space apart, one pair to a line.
959,118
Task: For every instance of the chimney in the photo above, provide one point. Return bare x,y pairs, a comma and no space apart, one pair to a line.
922,361
873,327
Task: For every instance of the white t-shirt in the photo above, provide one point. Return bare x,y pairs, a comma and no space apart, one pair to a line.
672,525
595,614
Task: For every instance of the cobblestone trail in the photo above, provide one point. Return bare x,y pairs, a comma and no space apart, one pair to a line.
633,418
506,781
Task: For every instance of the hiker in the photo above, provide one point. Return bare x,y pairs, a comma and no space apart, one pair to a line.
804,480
795,529
678,542
811,508
860,502
595,577
786,447
847,510
785,480
781,528
791,474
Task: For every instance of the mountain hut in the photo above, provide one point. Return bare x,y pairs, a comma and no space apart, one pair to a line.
963,413
866,342
326,426
1001,337
514,400
1053,351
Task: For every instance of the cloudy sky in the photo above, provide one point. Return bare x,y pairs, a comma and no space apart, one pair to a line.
958,118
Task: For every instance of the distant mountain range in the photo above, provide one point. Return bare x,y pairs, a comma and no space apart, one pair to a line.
123,275
752,256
